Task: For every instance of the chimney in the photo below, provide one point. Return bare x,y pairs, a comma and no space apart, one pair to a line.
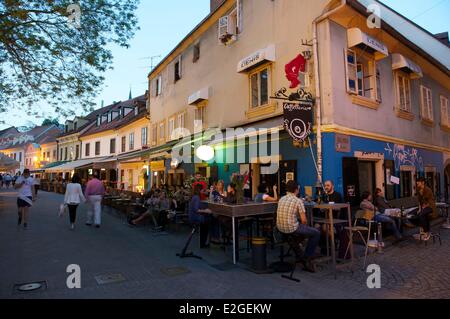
443,37
215,4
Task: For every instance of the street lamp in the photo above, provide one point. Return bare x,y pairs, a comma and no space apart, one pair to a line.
205,153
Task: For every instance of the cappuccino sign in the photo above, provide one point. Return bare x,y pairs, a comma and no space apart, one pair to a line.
298,119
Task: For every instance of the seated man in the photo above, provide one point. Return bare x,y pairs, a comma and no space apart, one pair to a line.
366,204
383,206
291,219
263,194
426,209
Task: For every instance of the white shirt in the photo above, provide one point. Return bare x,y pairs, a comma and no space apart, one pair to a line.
37,181
74,194
25,190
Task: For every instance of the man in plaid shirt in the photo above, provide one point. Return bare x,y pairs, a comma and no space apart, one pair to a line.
291,220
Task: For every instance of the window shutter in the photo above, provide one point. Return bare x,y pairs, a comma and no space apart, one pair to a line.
223,27
180,68
350,71
423,96
378,84
430,105
154,87
239,16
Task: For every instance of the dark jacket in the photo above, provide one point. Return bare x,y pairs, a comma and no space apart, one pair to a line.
381,203
426,197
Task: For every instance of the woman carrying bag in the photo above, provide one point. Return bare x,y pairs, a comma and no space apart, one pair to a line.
73,198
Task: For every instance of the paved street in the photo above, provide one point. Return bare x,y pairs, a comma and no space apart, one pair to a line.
42,253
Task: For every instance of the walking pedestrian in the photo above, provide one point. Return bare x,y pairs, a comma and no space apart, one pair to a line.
8,180
94,194
37,183
73,198
26,196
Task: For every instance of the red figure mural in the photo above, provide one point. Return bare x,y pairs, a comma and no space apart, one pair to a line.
293,70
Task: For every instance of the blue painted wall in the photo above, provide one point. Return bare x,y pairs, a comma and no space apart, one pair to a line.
306,172
401,154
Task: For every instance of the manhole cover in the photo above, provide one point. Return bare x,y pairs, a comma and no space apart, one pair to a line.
175,271
30,287
110,279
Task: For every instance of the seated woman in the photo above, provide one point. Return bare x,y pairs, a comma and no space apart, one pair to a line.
197,216
263,194
219,194
366,204
231,198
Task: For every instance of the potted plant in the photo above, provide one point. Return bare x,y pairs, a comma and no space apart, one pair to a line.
239,180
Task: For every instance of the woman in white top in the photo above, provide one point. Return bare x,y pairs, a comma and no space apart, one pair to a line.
74,196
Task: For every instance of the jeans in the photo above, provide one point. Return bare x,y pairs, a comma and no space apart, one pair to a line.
95,210
313,236
72,213
380,218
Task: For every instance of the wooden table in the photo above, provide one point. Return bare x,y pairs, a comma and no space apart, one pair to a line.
240,211
329,208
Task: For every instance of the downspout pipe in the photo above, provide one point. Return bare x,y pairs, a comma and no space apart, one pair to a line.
318,88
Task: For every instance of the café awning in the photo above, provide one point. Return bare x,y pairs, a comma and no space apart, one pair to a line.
7,163
199,96
134,157
257,58
357,38
54,164
71,166
400,62
107,163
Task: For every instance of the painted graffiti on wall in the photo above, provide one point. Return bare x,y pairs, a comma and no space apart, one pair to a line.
405,156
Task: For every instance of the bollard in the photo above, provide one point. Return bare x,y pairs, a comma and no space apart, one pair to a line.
259,255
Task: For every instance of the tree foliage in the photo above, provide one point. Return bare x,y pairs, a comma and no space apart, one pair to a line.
47,122
46,59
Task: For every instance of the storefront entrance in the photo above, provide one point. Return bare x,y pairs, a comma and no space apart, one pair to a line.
367,179
361,175
447,183
287,171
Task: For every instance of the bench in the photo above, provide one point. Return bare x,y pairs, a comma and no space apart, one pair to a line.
407,202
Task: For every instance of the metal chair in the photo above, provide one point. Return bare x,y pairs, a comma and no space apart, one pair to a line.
367,217
433,236
184,253
294,241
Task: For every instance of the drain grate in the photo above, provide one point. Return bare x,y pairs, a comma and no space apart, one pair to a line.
109,279
30,287
175,271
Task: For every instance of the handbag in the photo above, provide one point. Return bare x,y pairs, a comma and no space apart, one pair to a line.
62,210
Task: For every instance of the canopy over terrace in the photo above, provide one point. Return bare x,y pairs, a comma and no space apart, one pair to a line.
8,164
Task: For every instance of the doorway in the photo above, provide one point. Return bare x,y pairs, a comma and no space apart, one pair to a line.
359,176
447,183
406,182
367,179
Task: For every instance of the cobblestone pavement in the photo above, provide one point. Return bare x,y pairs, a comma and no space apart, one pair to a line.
43,252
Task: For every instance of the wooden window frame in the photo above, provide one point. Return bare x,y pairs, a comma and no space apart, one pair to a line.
427,119
131,141
371,68
445,113
99,148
